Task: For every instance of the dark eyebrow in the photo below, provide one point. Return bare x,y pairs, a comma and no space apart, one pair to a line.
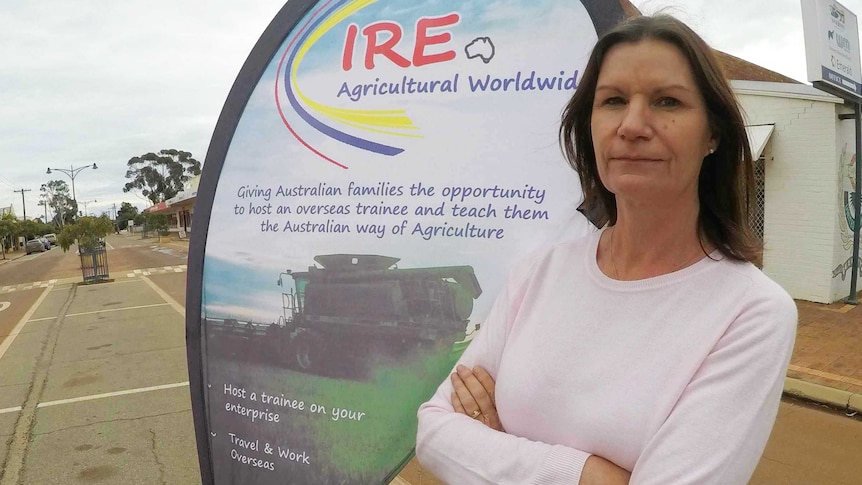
669,87
672,87
601,88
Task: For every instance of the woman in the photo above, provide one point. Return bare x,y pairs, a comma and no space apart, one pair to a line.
654,351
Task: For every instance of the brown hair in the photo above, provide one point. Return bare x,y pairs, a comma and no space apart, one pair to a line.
725,183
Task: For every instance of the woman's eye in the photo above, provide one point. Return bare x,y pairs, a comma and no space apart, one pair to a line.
668,102
614,101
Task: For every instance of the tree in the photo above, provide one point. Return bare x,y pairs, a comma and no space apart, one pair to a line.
126,213
29,229
87,231
8,228
55,193
42,228
160,177
157,223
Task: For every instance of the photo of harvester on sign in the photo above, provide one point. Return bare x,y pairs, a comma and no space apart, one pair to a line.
352,312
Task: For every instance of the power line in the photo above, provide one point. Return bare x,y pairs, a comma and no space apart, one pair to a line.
8,182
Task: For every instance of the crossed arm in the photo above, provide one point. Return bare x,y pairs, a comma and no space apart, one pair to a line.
474,396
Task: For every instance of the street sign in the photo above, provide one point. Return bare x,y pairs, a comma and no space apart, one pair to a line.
376,168
832,45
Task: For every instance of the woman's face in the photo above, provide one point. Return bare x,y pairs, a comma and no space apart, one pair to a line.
649,124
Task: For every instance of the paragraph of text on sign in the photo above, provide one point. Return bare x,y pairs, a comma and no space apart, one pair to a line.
418,210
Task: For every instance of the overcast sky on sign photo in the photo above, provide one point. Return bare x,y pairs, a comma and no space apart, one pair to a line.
102,81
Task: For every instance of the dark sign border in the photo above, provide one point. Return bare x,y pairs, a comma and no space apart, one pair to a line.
604,15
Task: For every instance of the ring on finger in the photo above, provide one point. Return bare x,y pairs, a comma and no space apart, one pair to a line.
476,414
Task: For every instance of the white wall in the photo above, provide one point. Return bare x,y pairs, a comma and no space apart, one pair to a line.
801,183
846,172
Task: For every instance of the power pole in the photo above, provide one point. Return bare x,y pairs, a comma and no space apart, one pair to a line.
22,201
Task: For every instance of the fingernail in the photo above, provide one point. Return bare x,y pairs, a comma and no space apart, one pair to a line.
461,368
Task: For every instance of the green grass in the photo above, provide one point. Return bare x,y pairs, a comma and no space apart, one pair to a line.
343,451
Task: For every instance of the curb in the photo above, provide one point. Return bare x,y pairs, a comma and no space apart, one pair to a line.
9,258
845,400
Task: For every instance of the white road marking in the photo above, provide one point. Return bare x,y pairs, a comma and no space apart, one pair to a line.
41,319
173,303
108,245
119,282
4,346
10,410
4,305
117,309
111,394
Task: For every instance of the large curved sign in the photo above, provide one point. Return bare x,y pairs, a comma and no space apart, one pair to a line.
377,166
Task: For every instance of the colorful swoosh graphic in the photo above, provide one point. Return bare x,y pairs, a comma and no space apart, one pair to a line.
388,122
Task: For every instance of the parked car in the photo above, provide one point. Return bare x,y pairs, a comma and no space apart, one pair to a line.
46,243
51,237
34,246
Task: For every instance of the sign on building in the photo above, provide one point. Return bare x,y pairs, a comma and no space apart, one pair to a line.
832,45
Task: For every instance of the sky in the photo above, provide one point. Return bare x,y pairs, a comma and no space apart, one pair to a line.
104,81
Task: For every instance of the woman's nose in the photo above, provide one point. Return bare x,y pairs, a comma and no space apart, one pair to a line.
635,122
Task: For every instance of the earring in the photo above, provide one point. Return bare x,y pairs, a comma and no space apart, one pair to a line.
711,150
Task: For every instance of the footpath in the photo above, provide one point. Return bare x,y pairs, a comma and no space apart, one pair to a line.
826,365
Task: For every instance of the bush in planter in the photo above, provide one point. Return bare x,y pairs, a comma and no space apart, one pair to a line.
87,231
156,223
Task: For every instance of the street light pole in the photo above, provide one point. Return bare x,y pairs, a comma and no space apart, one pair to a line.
72,173
44,206
85,205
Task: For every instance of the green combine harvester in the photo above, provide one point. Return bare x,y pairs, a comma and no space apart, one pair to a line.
355,310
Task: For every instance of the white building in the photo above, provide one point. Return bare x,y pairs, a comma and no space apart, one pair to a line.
808,168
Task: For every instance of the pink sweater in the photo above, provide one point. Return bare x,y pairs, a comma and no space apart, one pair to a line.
676,378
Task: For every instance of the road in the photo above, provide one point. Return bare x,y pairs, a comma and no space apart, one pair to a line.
93,378
93,381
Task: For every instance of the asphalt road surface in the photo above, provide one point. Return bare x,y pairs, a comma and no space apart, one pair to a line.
94,384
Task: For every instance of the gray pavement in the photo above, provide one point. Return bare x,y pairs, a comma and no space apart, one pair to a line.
93,386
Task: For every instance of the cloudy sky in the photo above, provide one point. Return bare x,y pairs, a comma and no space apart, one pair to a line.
102,81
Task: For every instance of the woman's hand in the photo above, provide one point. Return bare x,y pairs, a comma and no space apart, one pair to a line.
474,395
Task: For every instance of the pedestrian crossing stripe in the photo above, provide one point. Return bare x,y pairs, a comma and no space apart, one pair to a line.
138,272
27,286
151,271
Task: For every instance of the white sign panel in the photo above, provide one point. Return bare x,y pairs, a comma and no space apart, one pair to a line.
832,45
